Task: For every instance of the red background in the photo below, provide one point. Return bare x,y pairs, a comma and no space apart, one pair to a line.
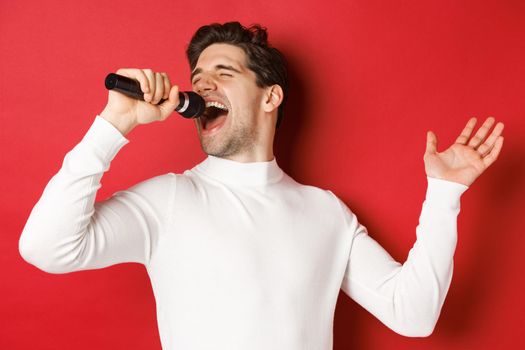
368,79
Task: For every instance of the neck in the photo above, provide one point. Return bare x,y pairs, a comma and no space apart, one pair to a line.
260,152
253,156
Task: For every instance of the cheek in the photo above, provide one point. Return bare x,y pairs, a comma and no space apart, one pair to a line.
245,99
252,100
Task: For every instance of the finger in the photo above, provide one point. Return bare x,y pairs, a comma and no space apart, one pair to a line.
467,131
486,147
136,74
482,133
167,86
431,143
151,83
493,155
159,88
168,106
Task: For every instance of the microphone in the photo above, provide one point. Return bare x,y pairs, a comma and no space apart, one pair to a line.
191,104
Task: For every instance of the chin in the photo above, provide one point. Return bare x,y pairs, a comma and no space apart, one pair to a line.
221,150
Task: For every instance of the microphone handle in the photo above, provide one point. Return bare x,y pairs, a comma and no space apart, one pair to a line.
191,104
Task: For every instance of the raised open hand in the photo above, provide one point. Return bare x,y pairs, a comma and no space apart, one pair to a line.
468,157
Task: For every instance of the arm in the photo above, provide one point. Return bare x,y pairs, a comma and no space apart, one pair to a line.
67,231
408,297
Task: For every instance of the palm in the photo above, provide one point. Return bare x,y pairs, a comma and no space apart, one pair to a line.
463,162
142,112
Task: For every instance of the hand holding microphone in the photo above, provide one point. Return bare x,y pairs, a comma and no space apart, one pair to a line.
142,96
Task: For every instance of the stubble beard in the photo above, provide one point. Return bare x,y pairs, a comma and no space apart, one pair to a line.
239,139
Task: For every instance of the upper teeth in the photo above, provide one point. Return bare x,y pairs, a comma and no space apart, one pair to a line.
216,104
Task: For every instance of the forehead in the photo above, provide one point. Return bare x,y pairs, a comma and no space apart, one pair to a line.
222,53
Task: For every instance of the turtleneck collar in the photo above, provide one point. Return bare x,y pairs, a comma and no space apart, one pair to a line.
237,173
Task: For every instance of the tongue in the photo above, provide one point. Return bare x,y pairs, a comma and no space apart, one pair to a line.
210,124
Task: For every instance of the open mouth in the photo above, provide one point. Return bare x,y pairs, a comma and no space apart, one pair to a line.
214,115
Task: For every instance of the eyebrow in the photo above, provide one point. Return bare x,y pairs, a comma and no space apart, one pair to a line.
217,67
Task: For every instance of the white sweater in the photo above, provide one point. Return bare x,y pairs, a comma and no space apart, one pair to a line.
240,256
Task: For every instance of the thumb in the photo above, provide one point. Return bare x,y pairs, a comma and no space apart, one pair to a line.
172,102
431,143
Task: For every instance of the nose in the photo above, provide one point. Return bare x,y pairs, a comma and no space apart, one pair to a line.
205,83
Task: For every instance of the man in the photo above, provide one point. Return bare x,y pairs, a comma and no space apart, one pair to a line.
241,256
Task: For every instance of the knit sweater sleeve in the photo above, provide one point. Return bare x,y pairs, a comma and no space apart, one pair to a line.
67,231
407,297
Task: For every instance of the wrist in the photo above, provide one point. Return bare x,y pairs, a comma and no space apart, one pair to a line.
123,123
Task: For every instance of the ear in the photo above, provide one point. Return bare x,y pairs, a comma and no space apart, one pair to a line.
273,97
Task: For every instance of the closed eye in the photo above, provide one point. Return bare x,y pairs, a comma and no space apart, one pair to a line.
221,74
